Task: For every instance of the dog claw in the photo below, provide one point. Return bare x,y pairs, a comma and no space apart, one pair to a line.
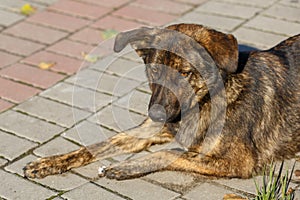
101,171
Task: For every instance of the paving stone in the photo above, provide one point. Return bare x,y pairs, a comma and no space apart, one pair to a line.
137,189
164,6
107,3
246,185
58,198
2,162
116,118
87,133
167,146
91,170
124,157
143,15
29,127
102,82
10,151
136,101
9,18
88,35
231,10
17,4
46,2
35,33
14,187
206,191
287,167
257,38
193,2
125,68
274,25
59,21
18,46
16,92
77,96
63,64
4,105
31,75
79,9
171,177
52,111
297,194
255,3
145,88
93,191
71,48
176,181
115,23
283,12
214,21
7,59
17,167
66,181
292,3
132,55
55,147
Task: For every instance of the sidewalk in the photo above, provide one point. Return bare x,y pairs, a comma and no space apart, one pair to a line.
57,94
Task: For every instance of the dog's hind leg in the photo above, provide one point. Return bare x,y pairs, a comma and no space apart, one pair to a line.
174,160
131,141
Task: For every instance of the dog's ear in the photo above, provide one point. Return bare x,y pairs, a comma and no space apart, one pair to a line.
144,35
223,48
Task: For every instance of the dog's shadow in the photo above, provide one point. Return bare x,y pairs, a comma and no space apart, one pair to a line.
246,48
244,52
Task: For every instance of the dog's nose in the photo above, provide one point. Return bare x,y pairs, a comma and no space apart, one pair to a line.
157,113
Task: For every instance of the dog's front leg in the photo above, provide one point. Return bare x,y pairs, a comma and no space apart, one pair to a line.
132,141
175,160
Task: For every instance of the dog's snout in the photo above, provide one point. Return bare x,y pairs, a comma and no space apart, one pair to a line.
157,113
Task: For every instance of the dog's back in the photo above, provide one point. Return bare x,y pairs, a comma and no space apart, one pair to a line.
274,100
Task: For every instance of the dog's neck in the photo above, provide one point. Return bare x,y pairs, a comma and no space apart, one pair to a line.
207,130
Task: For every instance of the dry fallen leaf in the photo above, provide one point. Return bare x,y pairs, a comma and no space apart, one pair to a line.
90,58
109,33
27,9
46,65
233,197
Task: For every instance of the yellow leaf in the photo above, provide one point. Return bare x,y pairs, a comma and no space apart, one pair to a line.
90,58
27,9
46,65
233,197
107,34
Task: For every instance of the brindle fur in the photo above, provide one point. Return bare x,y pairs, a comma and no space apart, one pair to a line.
262,117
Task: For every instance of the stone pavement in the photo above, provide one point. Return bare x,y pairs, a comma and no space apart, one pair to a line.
77,101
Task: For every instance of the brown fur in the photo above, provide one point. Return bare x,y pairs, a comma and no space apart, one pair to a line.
261,119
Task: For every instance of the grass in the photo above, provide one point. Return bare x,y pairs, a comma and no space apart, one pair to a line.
275,187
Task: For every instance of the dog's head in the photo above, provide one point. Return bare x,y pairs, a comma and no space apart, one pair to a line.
182,63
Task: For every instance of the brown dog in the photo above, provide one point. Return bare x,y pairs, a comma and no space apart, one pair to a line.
233,112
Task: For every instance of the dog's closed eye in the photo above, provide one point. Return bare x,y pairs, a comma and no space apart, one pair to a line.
185,74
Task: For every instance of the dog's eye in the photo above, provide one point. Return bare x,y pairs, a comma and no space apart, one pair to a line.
185,74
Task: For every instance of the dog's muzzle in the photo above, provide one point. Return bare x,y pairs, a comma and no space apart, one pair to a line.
157,113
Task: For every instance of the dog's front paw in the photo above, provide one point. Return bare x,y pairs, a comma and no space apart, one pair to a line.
42,168
120,172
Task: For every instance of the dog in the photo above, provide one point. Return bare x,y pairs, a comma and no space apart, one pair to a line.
233,112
